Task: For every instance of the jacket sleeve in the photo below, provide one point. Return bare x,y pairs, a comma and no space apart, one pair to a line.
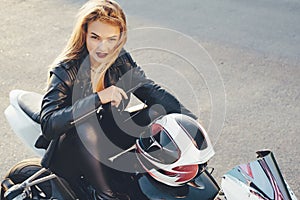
58,112
152,94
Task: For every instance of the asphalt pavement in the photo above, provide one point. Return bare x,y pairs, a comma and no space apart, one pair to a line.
233,63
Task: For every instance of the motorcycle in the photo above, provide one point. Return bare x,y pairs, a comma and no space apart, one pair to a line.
32,179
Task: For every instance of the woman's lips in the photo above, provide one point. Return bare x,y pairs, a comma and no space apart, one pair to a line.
101,55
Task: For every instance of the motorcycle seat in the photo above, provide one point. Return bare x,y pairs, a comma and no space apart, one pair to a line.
30,103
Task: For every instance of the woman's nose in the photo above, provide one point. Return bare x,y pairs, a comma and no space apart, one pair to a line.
102,46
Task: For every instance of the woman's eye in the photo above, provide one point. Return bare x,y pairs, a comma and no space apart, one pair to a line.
94,37
112,39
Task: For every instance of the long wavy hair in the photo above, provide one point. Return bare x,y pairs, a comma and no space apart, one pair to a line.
107,11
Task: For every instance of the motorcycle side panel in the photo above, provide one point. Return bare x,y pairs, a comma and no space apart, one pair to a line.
235,190
23,126
257,180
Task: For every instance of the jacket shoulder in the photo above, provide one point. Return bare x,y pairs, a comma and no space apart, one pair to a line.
66,72
124,61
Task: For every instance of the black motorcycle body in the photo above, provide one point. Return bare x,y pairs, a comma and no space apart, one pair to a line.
31,179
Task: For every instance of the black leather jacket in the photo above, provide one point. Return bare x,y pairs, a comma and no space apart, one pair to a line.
69,96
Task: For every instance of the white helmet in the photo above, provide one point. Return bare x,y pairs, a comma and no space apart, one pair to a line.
173,148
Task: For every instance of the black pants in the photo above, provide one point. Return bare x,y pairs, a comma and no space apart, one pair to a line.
90,152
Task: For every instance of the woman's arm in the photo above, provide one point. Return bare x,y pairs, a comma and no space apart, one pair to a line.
58,112
152,94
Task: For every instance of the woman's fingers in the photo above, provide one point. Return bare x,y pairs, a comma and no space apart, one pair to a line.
117,98
112,94
123,93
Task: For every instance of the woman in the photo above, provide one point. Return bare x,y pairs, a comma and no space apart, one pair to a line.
89,85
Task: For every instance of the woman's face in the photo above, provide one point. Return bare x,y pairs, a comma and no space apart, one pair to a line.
101,39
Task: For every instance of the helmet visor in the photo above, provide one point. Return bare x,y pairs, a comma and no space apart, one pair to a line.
159,146
193,130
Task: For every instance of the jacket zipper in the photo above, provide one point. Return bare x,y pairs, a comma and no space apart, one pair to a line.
98,110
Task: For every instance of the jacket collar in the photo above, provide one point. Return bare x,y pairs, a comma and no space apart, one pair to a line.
84,69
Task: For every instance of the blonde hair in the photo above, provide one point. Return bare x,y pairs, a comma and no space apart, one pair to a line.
107,11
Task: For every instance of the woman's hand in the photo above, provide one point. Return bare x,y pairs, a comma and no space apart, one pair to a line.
112,94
